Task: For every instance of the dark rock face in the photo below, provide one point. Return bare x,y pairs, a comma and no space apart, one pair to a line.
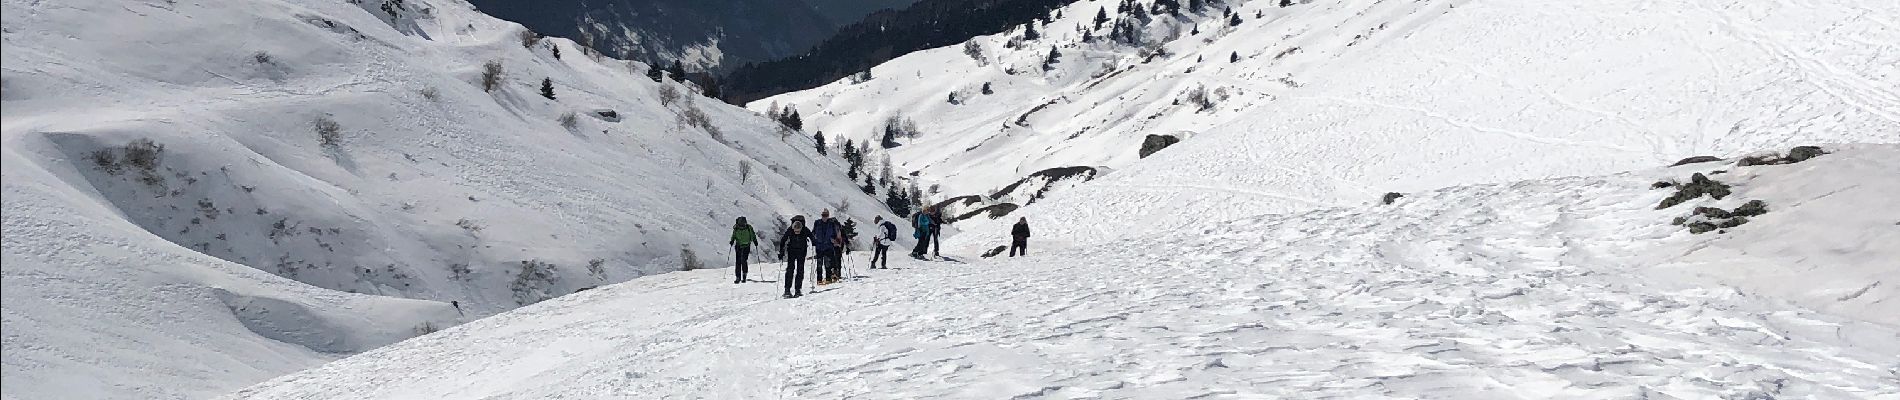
1698,186
1795,155
1710,219
1696,160
1045,177
1155,143
1803,153
1391,197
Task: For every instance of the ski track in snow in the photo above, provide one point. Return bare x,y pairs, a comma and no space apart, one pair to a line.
1522,290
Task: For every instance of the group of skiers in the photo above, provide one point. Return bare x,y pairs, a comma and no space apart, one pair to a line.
832,240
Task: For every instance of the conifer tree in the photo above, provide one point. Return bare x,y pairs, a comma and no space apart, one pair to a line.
1233,58
1101,16
1233,20
818,139
1029,31
547,88
655,73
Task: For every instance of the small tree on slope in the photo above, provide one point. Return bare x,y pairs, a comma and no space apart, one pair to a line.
547,88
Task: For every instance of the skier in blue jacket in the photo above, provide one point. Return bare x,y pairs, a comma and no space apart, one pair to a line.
828,239
922,224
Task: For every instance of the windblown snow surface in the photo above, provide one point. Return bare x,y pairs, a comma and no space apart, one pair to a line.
243,244
1328,103
1555,288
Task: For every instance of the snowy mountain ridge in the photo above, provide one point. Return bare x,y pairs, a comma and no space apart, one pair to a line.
200,196
1338,102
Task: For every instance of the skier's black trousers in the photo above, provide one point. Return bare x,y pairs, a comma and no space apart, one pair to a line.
795,271
1019,246
881,252
740,253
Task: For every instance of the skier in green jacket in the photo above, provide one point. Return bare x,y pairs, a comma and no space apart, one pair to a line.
742,240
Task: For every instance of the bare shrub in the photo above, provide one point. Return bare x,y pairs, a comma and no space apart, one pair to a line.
688,260
697,118
143,154
534,283
668,94
491,75
569,121
329,133
429,93
1198,97
426,328
106,161
528,38
975,51
459,271
745,171
467,225
261,58
597,268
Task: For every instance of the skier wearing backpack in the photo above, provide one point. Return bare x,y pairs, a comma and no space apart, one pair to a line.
921,224
742,240
848,237
827,238
881,243
936,231
1019,237
795,240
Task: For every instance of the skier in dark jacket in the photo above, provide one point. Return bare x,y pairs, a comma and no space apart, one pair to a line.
1019,237
742,240
796,239
921,223
827,238
881,243
936,231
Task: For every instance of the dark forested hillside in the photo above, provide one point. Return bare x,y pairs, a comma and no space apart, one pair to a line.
703,34
880,37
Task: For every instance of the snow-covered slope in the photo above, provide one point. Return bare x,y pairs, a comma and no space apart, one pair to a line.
1555,288
196,192
1336,102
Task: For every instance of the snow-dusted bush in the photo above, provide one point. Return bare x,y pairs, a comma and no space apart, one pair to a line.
329,132
668,94
491,75
527,38
535,282
975,51
467,225
688,260
570,121
429,93
598,268
459,271
694,117
105,161
745,171
1198,97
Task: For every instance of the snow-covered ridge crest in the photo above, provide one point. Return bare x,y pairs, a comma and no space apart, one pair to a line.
1327,103
202,195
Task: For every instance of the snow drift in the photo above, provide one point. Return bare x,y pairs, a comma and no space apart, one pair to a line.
203,195
1337,102
1553,288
